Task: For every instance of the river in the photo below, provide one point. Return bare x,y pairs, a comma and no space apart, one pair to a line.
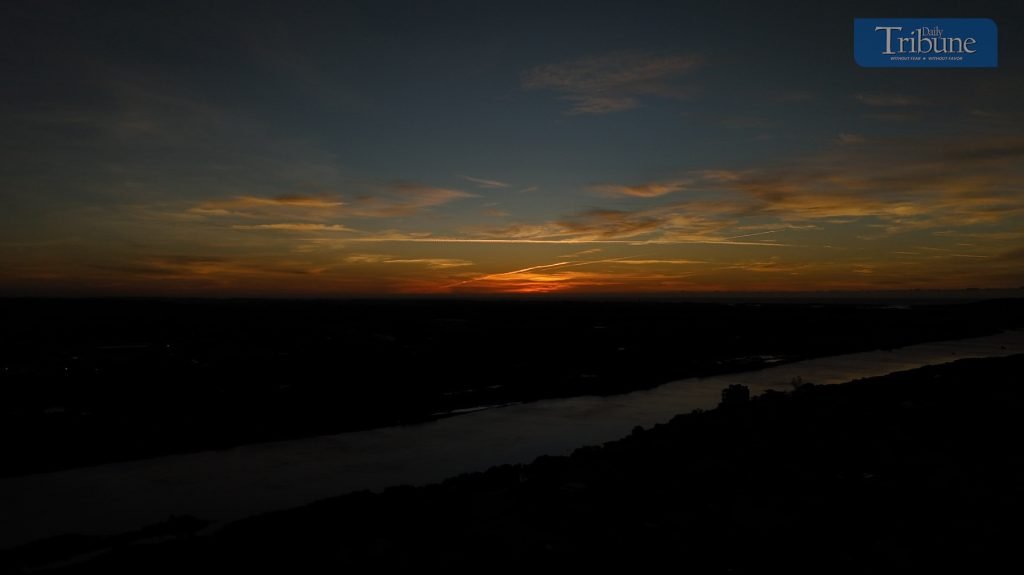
233,483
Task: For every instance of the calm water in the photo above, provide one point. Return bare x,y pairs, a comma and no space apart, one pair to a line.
229,484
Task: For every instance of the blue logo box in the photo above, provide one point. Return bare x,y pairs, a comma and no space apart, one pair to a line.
925,42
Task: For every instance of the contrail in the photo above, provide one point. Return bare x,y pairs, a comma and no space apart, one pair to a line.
754,234
489,276
570,264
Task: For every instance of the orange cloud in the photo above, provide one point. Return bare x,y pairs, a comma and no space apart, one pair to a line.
910,184
240,202
397,199
645,190
296,227
434,263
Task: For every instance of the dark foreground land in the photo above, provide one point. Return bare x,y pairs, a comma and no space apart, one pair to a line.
91,381
914,472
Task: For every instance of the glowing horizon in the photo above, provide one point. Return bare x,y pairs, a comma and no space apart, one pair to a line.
464,150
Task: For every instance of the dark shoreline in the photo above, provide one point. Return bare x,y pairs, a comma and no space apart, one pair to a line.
190,375
900,473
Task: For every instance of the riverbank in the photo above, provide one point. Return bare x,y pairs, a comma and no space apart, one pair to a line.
901,473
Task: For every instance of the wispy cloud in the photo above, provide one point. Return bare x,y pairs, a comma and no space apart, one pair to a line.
392,200
752,234
644,190
434,263
694,222
185,267
557,276
250,205
658,262
294,200
949,183
974,181
613,82
608,224
402,199
437,263
567,241
581,253
675,222
484,183
530,272
964,190
770,265
296,227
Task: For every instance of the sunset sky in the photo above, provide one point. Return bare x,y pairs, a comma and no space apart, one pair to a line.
374,148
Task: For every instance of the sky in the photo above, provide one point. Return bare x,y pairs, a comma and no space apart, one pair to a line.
508,147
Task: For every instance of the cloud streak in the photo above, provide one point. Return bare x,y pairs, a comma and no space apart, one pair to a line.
612,82
569,241
530,272
487,184
296,227
556,276
645,190
949,183
403,199
433,263
392,200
